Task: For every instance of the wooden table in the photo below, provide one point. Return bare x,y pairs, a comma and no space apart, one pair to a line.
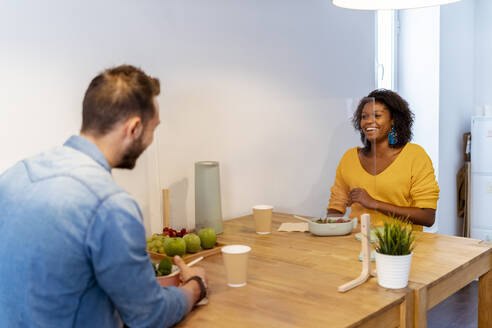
442,265
293,279
292,282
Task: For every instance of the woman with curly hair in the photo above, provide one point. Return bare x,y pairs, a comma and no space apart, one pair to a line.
389,176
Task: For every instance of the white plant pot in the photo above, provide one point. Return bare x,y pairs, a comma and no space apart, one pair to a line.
393,270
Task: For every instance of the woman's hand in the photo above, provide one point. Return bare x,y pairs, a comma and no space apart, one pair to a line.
333,213
359,195
421,216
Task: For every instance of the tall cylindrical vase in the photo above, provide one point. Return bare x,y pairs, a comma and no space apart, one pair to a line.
208,207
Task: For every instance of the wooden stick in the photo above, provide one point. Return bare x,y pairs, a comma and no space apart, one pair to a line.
195,261
166,208
303,219
367,271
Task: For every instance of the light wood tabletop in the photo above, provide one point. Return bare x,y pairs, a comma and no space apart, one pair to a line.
292,282
442,265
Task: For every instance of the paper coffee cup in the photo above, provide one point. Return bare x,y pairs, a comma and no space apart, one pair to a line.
236,264
263,218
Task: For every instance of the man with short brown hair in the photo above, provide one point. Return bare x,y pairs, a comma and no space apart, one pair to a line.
73,248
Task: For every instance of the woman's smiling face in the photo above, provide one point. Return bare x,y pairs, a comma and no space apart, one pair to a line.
375,121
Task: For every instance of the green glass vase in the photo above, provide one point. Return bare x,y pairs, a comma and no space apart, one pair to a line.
208,206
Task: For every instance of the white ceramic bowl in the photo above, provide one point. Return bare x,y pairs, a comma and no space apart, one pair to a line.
332,229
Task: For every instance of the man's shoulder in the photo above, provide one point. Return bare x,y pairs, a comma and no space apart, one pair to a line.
65,164
122,203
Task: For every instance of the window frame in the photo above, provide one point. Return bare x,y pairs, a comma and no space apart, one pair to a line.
387,28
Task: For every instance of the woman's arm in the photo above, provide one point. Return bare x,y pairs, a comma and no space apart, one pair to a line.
421,216
339,195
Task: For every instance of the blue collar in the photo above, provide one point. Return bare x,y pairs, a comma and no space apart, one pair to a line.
87,147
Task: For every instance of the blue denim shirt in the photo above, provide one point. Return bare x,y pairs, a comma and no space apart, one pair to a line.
72,247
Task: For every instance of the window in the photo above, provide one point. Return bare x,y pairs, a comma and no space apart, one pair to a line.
385,49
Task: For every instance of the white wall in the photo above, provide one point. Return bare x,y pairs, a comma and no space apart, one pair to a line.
261,86
49,52
483,53
464,82
456,102
418,77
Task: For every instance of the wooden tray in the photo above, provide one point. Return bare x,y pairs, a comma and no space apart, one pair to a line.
166,216
190,257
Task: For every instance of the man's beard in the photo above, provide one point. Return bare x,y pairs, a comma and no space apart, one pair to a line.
131,155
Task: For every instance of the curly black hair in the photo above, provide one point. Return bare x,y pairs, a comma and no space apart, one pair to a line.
400,113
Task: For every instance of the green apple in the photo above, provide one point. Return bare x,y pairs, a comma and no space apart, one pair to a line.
208,238
175,246
192,243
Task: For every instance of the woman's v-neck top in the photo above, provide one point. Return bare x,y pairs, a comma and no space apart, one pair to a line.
409,181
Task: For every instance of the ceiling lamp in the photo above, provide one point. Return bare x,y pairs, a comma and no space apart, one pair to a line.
389,4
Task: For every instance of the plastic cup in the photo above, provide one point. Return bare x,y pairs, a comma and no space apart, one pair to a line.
263,219
236,264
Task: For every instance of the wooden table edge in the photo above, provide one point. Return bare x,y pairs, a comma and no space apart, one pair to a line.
426,296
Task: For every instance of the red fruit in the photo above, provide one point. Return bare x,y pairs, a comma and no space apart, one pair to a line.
340,220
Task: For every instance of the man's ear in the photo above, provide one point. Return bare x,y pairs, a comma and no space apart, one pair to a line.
133,128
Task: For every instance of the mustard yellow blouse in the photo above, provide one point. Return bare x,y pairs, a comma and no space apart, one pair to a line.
408,182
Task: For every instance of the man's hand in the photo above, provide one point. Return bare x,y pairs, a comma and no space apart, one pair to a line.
192,288
359,195
188,272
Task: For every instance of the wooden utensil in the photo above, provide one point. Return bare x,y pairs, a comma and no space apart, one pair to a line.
195,261
301,218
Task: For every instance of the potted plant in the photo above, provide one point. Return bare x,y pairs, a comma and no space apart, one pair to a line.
394,253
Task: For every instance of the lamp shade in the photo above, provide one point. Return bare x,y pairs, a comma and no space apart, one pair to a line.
389,4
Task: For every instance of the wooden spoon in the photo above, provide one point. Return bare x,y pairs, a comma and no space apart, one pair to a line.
303,219
195,261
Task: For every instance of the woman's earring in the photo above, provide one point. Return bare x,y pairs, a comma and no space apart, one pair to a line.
392,136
